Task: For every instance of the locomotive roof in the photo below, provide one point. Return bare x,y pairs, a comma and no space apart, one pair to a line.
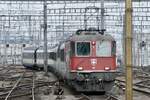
91,37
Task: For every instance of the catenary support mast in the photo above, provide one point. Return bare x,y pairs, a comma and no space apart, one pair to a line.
128,49
45,36
102,14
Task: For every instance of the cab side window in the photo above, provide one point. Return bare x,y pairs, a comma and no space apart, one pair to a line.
62,55
72,48
113,47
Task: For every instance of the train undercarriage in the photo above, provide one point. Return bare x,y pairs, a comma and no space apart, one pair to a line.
92,82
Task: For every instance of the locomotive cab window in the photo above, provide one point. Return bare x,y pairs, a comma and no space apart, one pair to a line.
83,48
113,47
103,48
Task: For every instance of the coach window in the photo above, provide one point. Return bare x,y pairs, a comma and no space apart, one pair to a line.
38,55
83,48
103,48
62,54
52,55
41,55
25,55
30,55
72,48
113,47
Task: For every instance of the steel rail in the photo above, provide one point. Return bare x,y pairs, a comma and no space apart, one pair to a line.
26,86
111,97
135,87
33,86
18,81
84,97
37,83
15,96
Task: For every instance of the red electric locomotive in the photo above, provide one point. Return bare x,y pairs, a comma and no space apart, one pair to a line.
89,61
86,61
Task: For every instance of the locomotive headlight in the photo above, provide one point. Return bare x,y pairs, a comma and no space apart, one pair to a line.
93,42
107,68
80,68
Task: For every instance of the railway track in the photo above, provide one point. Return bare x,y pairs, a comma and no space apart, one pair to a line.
84,97
111,97
13,88
18,89
33,86
141,86
97,97
23,84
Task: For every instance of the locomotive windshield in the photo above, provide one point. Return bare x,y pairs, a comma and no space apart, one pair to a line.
103,48
83,48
